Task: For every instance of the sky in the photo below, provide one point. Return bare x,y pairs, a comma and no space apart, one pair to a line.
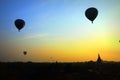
58,30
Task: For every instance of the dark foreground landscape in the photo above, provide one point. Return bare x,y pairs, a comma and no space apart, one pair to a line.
60,71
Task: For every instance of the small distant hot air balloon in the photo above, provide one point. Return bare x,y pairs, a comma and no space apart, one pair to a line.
119,41
19,23
24,52
91,13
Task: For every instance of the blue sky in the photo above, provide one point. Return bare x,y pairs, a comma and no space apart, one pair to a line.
49,21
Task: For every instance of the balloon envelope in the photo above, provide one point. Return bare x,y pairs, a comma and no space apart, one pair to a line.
24,52
91,13
19,23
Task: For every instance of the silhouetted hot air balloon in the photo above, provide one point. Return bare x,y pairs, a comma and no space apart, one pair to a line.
119,41
24,52
91,13
19,23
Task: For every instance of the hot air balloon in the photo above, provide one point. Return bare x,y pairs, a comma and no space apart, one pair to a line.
91,13
24,52
19,23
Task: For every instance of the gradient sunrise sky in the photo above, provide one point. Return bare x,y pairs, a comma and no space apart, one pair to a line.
57,30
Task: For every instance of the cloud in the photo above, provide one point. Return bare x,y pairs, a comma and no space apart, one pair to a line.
33,36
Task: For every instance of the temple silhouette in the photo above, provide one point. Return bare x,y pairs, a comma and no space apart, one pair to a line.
99,60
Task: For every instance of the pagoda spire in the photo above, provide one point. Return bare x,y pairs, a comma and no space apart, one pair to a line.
99,60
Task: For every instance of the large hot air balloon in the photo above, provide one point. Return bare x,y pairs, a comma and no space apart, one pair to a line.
24,52
19,23
91,13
